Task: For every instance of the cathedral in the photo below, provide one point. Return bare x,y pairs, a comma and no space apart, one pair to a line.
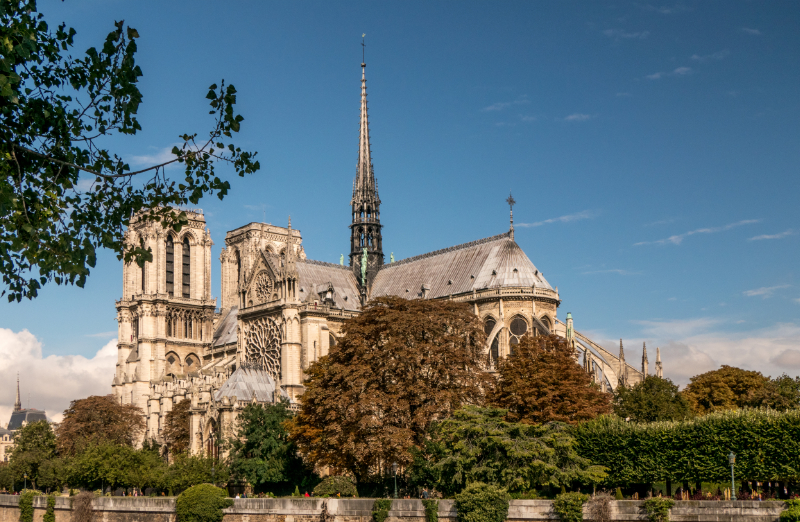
280,311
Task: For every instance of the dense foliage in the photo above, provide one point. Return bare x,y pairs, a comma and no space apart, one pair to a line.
336,485
657,509
177,433
651,400
26,504
479,445
569,506
792,511
62,194
202,503
400,365
34,447
481,502
541,382
724,389
261,452
380,509
99,418
431,510
50,512
766,444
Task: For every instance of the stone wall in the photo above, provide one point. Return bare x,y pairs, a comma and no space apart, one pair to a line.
144,509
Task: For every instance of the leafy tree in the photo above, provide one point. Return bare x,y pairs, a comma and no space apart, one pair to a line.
148,469
34,445
336,485
479,445
57,112
98,418
400,365
101,463
187,471
542,382
481,502
261,452
781,393
202,503
724,389
6,477
651,400
177,429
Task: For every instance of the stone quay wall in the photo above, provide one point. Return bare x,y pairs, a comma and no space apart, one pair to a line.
155,509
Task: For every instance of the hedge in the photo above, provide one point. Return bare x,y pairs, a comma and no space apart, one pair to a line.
766,444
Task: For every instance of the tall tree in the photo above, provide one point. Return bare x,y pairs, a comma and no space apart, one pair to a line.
781,393
653,399
177,433
34,446
261,452
98,418
400,365
479,445
62,194
542,382
724,389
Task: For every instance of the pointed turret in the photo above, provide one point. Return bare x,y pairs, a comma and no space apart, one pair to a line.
659,369
645,363
365,230
289,273
623,368
17,402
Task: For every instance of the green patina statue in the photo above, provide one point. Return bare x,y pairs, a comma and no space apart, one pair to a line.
364,267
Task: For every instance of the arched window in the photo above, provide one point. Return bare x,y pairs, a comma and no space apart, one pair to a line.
170,266
186,265
518,328
546,322
494,351
331,341
144,263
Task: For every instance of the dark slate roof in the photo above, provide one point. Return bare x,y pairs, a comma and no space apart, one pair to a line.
226,329
316,275
25,416
493,262
247,383
4,431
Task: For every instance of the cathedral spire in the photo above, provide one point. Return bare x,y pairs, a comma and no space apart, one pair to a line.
623,368
645,363
365,229
511,204
659,368
17,402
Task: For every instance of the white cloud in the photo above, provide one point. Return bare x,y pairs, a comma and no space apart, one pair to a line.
682,71
789,358
578,117
569,218
719,55
618,34
158,157
678,238
754,32
51,381
654,76
499,106
781,235
764,291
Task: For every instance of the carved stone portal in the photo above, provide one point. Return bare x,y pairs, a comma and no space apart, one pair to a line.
262,345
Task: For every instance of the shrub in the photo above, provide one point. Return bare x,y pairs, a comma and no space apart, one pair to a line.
792,511
657,509
480,502
50,513
618,494
600,508
569,506
336,484
431,510
26,504
82,509
380,509
202,503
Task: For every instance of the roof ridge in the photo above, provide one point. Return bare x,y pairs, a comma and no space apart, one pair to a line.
446,250
323,263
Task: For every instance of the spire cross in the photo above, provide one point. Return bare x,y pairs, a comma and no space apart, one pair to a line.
363,49
511,202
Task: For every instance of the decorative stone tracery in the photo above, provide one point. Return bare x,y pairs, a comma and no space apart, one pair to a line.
263,287
262,345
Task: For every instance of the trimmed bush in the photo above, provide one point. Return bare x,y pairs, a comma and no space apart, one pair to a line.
657,509
26,504
618,494
480,502
431,510
50,513
569,506
202,503
380,509
336,484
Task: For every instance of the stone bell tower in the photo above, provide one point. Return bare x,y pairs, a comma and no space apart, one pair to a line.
366,242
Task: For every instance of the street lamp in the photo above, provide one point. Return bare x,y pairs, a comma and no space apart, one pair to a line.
26,480
732,461
394,470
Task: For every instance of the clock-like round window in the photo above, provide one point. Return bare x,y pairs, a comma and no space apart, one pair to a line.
263,287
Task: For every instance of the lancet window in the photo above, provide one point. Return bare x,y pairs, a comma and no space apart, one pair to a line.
186,268
494,351
184,324
170,269
519,327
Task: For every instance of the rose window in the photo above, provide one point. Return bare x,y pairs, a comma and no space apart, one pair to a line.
262,345
263,287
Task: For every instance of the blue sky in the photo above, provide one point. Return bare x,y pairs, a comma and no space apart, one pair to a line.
653,150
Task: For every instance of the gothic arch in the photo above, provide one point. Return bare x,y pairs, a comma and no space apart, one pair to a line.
192,363
492,327
188,234
173,364
547,322
517,328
